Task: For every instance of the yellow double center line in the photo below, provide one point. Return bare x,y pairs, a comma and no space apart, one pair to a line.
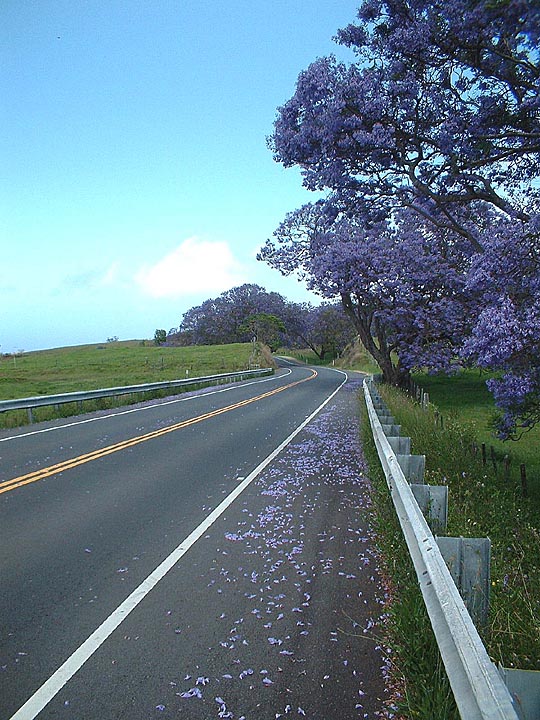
8,485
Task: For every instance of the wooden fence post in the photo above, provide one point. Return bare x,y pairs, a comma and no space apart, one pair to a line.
506,468
493,458
523,473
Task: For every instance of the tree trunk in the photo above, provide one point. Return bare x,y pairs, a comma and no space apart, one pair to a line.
373,338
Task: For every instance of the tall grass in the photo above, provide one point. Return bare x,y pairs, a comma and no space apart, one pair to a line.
416,667
484,504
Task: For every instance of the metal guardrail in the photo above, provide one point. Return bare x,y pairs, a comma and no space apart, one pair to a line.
478,688
44,400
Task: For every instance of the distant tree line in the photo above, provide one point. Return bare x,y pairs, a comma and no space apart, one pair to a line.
249,312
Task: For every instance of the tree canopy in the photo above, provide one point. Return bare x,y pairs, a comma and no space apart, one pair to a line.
428,146
248,311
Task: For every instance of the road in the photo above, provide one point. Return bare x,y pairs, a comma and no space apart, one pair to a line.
209,556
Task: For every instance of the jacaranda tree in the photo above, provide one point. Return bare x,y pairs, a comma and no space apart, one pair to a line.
221,320
401,284
440,109
440,114
264,328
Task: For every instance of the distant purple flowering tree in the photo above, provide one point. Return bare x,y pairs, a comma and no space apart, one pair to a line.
328,330
265,328
243,312
222,319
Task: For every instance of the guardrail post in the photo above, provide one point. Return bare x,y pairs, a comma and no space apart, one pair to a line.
385,418
413,467
524,687
400,445
30,415
392,430
468,560
433,502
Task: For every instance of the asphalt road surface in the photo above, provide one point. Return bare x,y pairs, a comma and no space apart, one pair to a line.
202,557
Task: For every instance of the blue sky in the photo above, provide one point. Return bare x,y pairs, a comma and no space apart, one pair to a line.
136,180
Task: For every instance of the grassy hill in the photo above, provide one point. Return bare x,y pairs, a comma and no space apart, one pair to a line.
89,367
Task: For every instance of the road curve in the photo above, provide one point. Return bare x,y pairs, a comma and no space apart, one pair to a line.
120,541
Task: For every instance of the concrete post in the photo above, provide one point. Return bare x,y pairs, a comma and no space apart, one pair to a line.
400,445
468,560
433,502
413,467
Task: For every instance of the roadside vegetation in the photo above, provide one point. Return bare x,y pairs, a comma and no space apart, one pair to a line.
416,665
113,364
353,357
484,501
465,397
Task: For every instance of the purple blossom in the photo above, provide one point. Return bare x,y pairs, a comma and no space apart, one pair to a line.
428,145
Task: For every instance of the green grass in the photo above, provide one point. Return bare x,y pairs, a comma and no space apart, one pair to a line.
421,687
483,503
466,397
89,367
354,358
305,355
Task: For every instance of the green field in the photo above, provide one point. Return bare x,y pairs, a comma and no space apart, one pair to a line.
89,367
466,398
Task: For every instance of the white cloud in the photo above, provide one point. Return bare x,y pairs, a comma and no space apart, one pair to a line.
195,266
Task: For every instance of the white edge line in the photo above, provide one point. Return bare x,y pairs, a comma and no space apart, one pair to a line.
231,386
51,687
